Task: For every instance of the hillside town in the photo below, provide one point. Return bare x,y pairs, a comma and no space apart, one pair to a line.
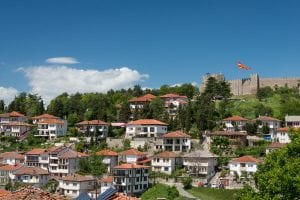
56,157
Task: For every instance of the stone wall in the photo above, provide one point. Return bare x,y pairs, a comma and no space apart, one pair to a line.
250,85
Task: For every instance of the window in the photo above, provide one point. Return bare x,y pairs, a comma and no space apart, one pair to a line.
166,169
137,179
145,178
151,129
74,184
136,187
145,129
74,192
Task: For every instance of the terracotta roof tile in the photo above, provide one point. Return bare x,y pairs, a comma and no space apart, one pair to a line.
12,114
235,118
51,121
246,159
29,193
121,196
129,166
31,171
10,167
12,154
147,122
267,118
107,152
35,152
166,154
132,152
72,154
76,178
172,95
18,124
92,122
145,98
287,129
108,179
45,116
4,193
226,133
176,134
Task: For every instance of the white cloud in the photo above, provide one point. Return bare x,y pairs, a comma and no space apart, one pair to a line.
50,81
62,60
8,94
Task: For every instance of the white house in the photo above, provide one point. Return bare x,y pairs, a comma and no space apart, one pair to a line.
64,161
139,102
73,185
13,124
12,158
274,146
145,128
36,176
176,141
131,178
12,117
200,164
110,158
292,121
7,173
51,128
243,166
131,156
58,161
172,103
95,128
235,123
282,135
165,162
273,125
106,183
42,117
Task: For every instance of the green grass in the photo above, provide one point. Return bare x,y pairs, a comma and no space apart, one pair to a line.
212,193
161,191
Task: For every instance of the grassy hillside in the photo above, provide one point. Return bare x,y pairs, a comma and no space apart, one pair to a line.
212,193
161,191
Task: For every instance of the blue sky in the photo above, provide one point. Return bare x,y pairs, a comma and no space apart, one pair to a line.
120,43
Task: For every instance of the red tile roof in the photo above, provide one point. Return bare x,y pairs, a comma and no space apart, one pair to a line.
130,166
51,121
176,134
4,193
172,95
267,118
132,152
73,154
166,154
108,179
276,145
107,152
45,116
246,159
35,152
92,122
17,124
121,196
76,178
13,154
10,167
235,118
29,193
226,133
31,171
147,122
287,129
12,114
145,98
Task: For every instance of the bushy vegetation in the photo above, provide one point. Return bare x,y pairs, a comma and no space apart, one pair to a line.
161,191
212,193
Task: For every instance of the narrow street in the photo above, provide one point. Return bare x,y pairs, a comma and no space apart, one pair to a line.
181,191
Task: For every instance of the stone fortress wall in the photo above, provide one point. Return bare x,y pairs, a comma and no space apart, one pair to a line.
250,85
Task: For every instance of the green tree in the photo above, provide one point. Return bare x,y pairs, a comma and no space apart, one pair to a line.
125,112
92,165
265,129
221,147
264,92
278,176
126,144
251,128
157,108
187,183
2,106
194,132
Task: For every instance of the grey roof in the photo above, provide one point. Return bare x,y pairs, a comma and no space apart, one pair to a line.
292,118
200,154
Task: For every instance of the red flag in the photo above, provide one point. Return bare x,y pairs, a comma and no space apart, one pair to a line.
242,66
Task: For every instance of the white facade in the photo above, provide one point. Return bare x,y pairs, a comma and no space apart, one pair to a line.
282,135
200,164
145,130
177,144
131,179
292,121
73,188
33,175
246,167
51,128
163,165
